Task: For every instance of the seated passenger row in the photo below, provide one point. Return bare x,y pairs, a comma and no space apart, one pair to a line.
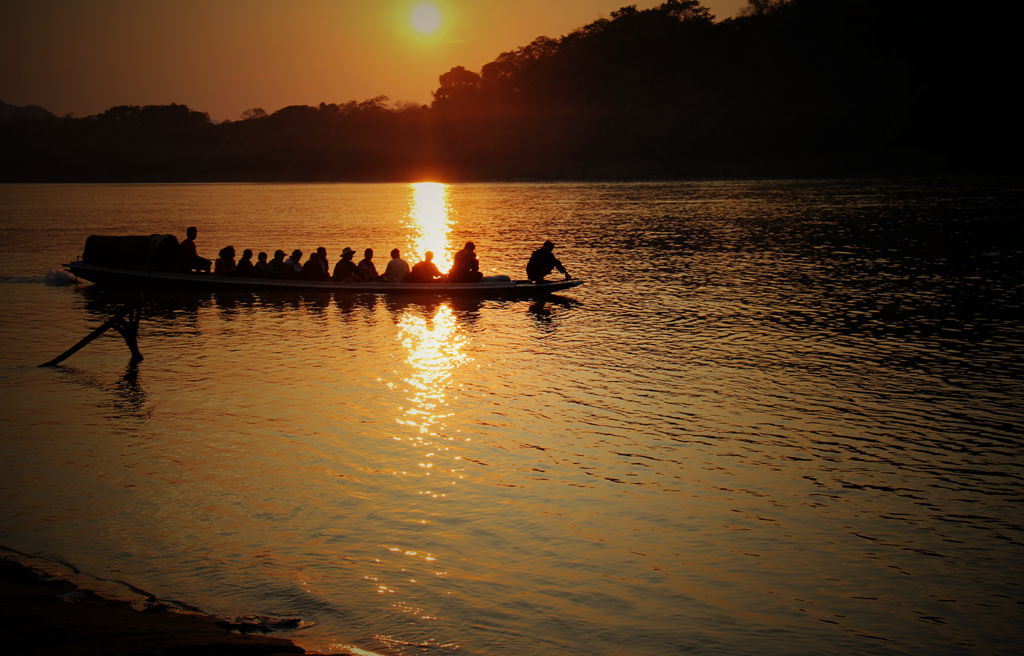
465,265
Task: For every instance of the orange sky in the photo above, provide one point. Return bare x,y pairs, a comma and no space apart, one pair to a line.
226,56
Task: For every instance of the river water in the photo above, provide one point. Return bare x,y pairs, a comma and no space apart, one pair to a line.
778,418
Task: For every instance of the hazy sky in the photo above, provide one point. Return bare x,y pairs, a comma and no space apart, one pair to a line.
226,56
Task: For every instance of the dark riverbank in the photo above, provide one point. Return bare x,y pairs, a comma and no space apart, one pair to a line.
789,89
43,615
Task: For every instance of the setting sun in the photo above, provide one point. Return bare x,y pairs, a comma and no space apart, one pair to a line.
425,18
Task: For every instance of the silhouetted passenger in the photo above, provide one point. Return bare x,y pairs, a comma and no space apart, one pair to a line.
543,262
187,256
325,266
367,269
294,264
397,269
278,268
346,270
425,271
313,269
261,269
225,264
465,267
245,266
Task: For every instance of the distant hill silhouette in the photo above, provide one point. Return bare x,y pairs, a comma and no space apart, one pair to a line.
10,113
798,87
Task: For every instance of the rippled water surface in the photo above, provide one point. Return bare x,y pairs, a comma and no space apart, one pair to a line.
778,418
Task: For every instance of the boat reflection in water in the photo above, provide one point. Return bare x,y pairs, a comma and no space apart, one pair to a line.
429,221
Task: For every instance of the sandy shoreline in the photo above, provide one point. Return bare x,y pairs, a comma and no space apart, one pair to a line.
47,615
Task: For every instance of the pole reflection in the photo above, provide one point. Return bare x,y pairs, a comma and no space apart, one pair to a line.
429,220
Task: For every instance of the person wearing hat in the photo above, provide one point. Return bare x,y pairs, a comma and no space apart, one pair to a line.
277,267
346,270
542,262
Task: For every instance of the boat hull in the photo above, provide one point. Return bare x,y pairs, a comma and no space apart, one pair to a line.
155,279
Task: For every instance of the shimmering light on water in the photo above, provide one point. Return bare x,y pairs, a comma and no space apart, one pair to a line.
780,418
429,222
435,352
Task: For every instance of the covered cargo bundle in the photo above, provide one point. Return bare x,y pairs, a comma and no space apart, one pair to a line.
132,252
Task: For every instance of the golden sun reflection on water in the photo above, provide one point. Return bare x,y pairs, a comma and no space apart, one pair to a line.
429,220
435,350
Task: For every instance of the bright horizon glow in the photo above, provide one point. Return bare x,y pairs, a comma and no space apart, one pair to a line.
425,18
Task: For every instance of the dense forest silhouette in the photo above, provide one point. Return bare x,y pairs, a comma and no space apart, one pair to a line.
788,88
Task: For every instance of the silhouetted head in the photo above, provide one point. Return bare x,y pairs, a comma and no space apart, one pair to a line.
368,253
347,253
227,252
470,246
428,256
191,232
550,245
296,255
322,252
279,254
247,254
395,253
262,257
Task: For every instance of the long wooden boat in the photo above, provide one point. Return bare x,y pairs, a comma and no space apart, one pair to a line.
108,262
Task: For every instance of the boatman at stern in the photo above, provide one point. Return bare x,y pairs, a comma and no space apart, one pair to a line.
542,262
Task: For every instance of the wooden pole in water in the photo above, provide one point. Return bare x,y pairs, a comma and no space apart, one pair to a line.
125,322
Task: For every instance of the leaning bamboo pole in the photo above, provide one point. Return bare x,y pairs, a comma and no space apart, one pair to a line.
125,322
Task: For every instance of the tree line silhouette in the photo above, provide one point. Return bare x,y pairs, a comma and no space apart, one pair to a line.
789,87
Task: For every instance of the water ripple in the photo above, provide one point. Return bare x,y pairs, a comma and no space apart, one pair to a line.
779,418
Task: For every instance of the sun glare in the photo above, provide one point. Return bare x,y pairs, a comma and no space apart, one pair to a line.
430,222
425,18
